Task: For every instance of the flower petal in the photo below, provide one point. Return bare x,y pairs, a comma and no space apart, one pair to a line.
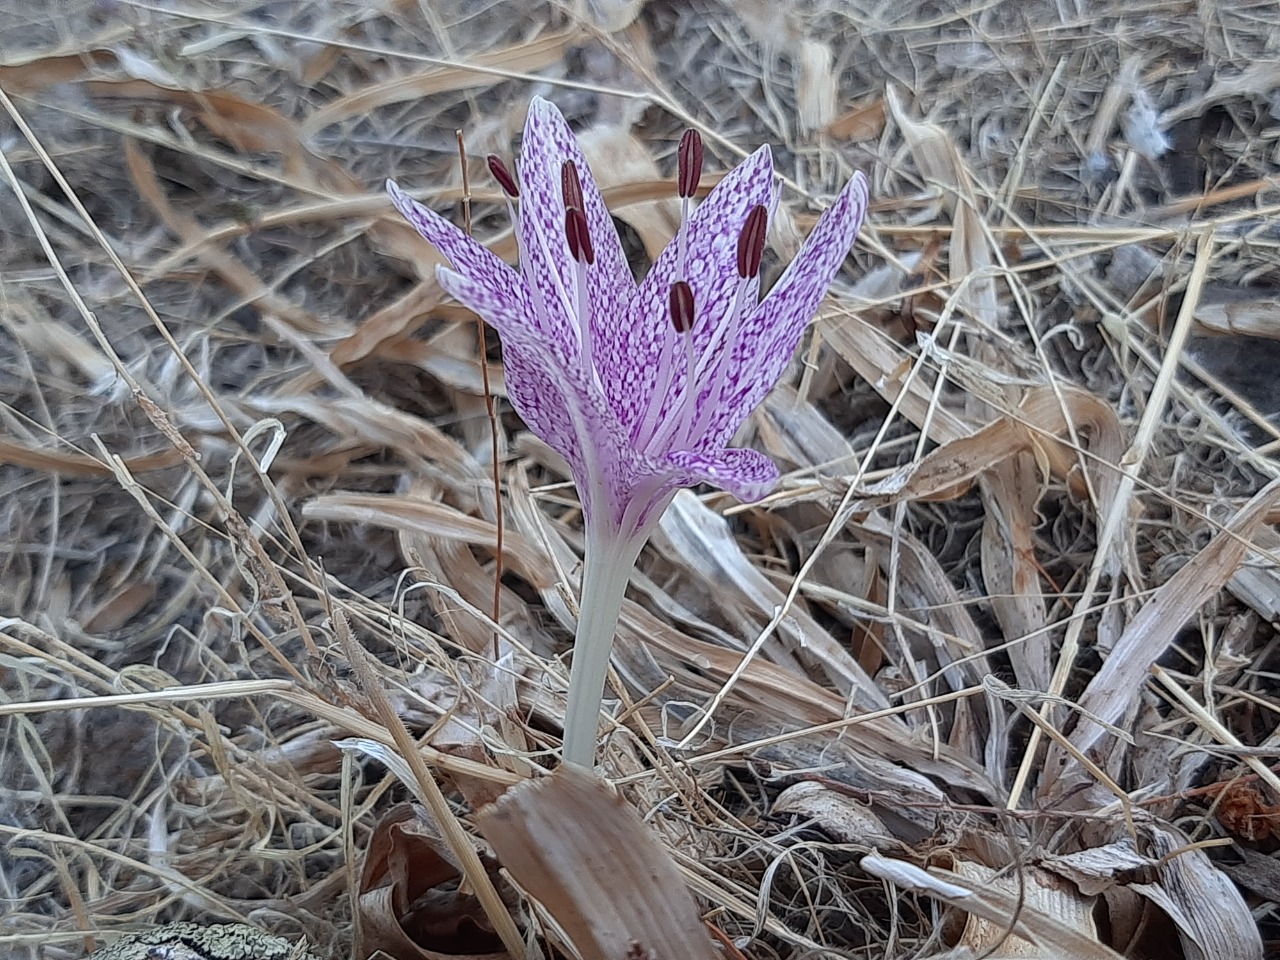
547,144
769,337
628,356
506,313
468,256
539,402
747,474
559,402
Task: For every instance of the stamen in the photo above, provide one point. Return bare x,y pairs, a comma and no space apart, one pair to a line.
751,242
584,317
681,302
690,167
578,236
683,315
511,193
557,281
642,432
720,354
571,186
675,431
500,173
507,180
689,174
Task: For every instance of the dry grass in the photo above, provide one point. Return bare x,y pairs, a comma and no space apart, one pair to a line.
999,647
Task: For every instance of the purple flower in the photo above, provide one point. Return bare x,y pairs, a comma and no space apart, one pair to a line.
640,387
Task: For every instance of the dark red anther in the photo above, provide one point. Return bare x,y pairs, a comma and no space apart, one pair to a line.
690,167
682,307
571,186
751,242
500,173
578,236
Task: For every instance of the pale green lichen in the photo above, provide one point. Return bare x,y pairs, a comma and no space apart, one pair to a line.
195,941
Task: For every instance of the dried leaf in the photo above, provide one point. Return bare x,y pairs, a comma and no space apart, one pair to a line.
1212,917
31,72
478,71
585,855
970,254
433,519
1257,316
837,814
80,464
409,902
947,471
1035,889
614,15
1113,689
815,86
1055,933
1010,493
864,121
1256,80
696,533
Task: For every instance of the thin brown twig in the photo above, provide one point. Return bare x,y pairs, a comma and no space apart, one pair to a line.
489,404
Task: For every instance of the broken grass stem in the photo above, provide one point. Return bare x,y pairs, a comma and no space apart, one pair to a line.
606,569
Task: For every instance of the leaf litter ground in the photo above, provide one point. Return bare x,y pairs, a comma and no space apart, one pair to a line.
996,661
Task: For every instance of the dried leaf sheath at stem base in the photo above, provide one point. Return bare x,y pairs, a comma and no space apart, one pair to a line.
640,387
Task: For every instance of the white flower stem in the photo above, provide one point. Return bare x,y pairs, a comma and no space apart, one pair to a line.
607,567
